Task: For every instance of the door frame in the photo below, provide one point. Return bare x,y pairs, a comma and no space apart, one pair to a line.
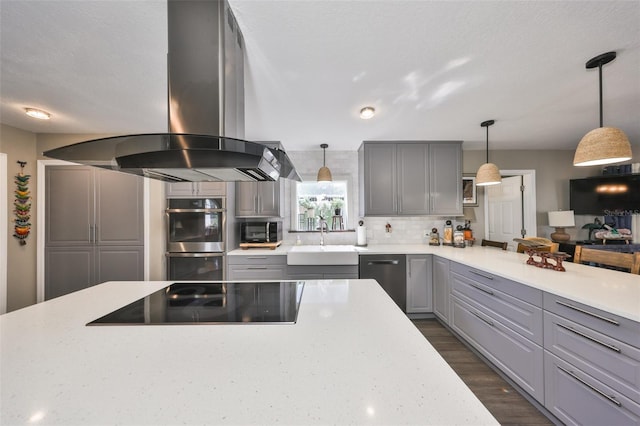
4,234
41,231
529,198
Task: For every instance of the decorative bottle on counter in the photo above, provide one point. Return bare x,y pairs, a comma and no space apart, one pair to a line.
458,238
447,235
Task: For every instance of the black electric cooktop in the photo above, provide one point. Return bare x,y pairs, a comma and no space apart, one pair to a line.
212,303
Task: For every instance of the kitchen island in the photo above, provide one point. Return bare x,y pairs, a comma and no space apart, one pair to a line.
352,357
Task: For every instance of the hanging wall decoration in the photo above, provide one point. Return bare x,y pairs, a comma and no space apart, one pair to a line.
22,205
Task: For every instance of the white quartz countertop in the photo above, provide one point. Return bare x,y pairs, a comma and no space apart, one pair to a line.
352,358
611,291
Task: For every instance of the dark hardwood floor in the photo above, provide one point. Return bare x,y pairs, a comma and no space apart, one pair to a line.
500,398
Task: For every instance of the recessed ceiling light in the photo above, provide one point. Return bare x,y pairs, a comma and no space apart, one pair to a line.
37,113
367,112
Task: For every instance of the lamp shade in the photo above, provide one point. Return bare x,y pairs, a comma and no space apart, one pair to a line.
561,219
324,174
604,145
469,214
488,174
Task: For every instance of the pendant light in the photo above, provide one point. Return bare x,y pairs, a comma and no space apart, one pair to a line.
604,145
488,173
324,174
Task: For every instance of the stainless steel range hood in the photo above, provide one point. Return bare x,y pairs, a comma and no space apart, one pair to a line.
206,110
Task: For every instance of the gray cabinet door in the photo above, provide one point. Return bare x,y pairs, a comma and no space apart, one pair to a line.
93,226
413,179
119,202
445,178
441,288
195,189
258,199
67,269
69,206
119,263
180,189
380,179
269,198
419,284
246,198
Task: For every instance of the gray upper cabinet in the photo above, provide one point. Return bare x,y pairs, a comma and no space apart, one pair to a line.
379,177
445,178
259,199
410,178
195,189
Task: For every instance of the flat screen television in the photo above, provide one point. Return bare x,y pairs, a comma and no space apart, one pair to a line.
605,195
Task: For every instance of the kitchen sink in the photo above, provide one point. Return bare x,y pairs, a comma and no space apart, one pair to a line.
322,255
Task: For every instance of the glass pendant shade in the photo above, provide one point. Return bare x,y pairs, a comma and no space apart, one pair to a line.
324,174
604,145
488,174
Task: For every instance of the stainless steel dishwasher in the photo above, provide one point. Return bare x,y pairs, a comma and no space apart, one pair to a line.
390,271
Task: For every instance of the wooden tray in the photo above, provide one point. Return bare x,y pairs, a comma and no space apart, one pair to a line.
270,246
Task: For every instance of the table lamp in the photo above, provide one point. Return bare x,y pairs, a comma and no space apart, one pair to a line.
561,220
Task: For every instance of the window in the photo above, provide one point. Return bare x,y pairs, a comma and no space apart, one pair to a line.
315,200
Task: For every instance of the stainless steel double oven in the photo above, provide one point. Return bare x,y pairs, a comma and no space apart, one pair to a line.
196,238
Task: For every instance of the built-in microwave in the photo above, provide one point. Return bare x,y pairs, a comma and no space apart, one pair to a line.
260,232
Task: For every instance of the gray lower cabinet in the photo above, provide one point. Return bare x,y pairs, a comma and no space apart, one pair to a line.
259,199
257,267
419,284
503,321
93,228
410,178
195,189
322,272
592,372
441,288
576,398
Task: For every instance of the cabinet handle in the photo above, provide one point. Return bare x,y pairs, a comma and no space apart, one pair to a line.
489,277
600,317
382,262
477,315
95,233
257,257
256,267
596,390
481,289
586,336
90,233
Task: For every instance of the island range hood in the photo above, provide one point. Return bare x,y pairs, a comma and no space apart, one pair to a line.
206,111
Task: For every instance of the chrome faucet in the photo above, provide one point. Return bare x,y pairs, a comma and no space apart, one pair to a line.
323,226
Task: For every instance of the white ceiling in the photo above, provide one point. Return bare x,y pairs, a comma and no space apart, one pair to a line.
432,69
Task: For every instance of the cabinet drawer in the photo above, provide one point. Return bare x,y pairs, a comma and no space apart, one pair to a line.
578,399
614,326
520,316
257,259
519,358
257,272
610,361
520,291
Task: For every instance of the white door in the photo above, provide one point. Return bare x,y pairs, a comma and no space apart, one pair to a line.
505,211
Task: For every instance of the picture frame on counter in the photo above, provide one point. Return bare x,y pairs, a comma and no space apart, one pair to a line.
469,191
